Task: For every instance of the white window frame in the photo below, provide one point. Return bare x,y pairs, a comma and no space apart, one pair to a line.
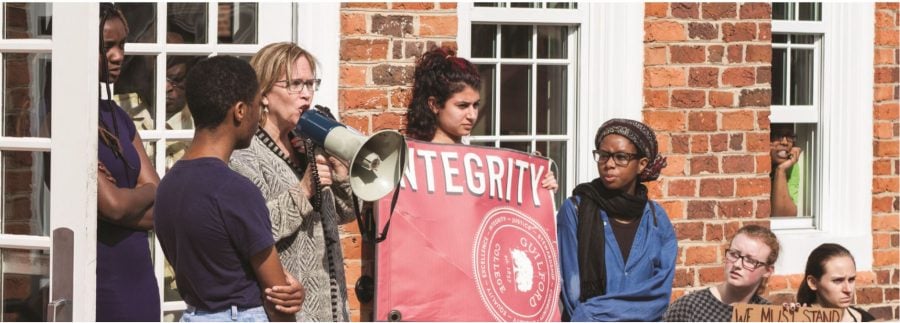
845,206
609,81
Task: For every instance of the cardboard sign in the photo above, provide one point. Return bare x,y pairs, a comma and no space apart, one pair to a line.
472,238
777,313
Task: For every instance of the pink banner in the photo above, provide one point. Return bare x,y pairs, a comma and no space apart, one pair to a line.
472,238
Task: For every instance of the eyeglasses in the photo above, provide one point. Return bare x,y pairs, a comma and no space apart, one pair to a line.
297,85
790,139
748,263
620,158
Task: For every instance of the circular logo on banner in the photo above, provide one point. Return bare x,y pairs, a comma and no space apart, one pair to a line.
516,271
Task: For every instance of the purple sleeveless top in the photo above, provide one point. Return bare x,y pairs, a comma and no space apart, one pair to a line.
126,285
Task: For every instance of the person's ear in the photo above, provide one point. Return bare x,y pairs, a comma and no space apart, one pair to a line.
240,111
642,163
770,269
432,104
812,282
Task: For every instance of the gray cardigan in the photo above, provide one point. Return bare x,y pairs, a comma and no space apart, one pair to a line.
308,242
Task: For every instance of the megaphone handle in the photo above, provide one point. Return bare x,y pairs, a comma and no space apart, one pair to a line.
317,184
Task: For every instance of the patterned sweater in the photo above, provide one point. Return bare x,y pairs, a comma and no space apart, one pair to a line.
308,242
702,306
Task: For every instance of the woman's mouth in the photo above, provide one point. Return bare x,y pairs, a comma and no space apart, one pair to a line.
782,154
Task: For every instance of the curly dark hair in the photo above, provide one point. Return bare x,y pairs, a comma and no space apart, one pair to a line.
439,74
214,85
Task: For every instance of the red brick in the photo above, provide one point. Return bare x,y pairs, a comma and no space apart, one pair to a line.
763,75
363,49
738,164
720,99
714,232
736,209
738,120
699,144
400,97
700,30
362,99
688,98
366,5
689,230
763,164
665,120
392,25
654,55
656,9
885,258
887,223
686,10
883,130
714,53
412,5
703,77
742,31
884,56
688,54
777,283
887,37
675,209
710,187
872,295
353,76
735,53
448,5
882,204
887,5
684,277
437,25
736,142
704,164
884,92
739,76
716,11
701,255
881,240
351,246
759,53
702,121
887,74
765,31
664,76
675,166
758,142
681,144
881,167
388,121
756,10
762,119
712,275
353,24
887,148
663,143
656,98
718,142
663,31
755,98
887,111
753,187
686,187
701,210
388,74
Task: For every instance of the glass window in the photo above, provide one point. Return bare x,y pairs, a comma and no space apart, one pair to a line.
26,99
805,11
237,23
27,20
526,73
26,284
25,185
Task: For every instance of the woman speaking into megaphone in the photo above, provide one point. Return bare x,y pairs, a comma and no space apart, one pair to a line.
445,101
306,203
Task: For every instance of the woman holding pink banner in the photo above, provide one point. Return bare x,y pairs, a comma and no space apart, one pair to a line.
445,101
756,248
617,248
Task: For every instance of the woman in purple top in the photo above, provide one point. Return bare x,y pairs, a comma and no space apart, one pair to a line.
126,189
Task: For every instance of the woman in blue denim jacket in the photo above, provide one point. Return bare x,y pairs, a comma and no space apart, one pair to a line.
617,248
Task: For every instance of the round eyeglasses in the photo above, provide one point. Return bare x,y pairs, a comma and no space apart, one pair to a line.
748,263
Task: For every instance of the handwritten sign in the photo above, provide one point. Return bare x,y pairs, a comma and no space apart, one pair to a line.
473,238
777,313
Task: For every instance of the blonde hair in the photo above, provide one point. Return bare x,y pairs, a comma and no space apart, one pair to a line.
274,62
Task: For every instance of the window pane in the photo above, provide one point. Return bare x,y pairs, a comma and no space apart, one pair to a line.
170,288
484,40
515,99
26,192
516,41
150,148
178,116
810,11
520,146
175,149
28,20
779,39
802,77
141,21
803,39
486,4
172,316
779,75
553,42
484,143
558,5
135,91
485,123
187,23
237,23
524,5
782,11
26,284
809,173
551,100
26,95
556,151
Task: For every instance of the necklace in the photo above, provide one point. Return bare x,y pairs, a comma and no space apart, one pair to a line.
849,311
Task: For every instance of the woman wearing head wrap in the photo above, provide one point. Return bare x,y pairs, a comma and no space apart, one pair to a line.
616,247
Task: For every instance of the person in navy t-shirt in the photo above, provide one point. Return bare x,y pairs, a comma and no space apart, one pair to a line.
213,223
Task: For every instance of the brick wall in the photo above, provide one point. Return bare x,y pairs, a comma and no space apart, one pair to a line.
379,46
883,289
707,94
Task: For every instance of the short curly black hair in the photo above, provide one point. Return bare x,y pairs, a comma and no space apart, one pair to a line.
215,85
439,74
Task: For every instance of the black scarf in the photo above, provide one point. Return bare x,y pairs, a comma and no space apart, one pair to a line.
591,243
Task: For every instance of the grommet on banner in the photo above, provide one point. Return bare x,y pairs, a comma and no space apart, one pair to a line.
395,316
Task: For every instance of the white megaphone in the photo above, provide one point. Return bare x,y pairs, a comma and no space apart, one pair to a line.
375,162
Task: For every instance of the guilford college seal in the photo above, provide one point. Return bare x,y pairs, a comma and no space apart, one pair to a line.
516,270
